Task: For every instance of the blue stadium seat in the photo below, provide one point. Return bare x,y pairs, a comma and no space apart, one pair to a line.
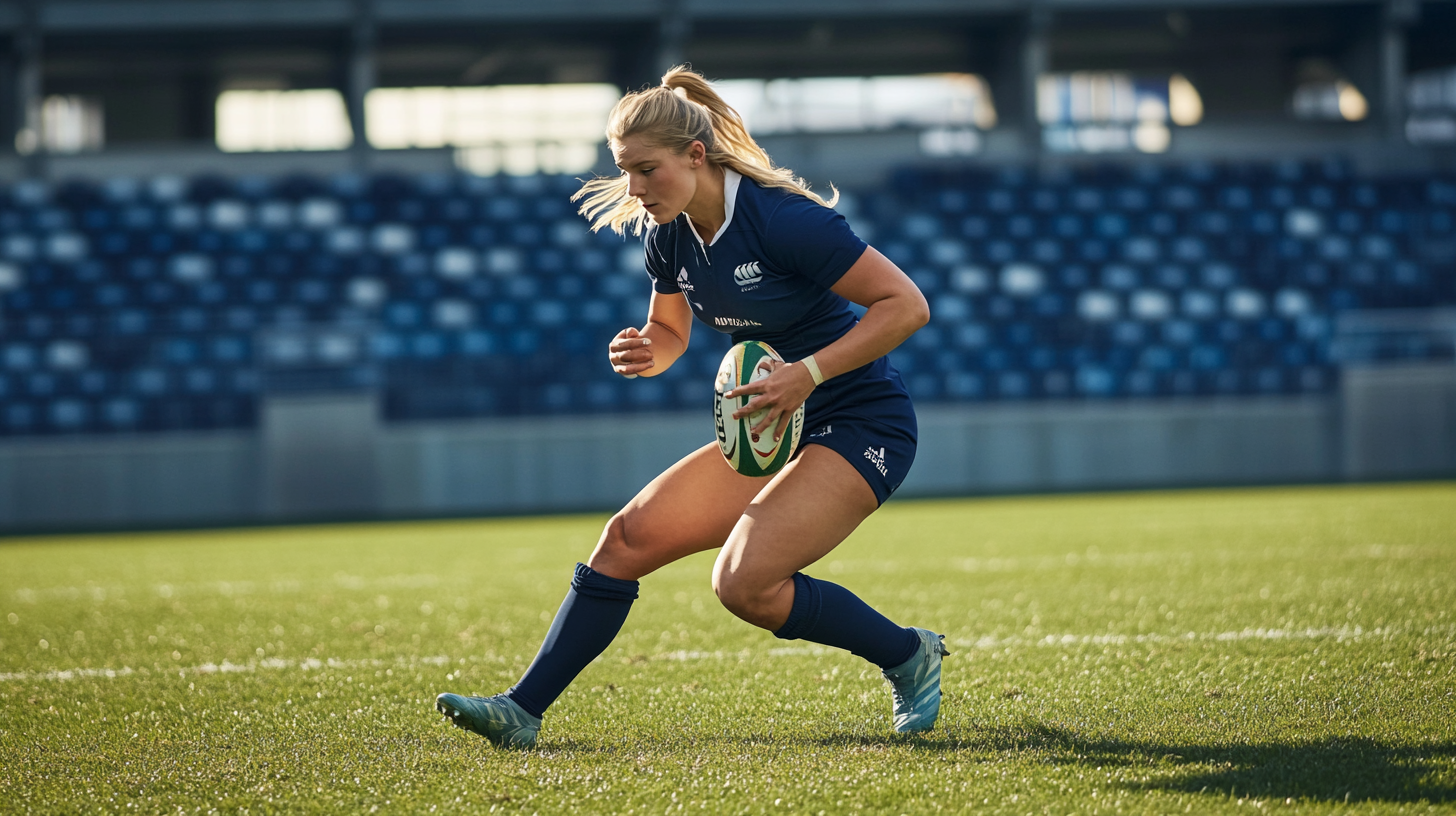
132,304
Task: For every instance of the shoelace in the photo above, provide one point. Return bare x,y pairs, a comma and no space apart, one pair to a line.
898,698
895,692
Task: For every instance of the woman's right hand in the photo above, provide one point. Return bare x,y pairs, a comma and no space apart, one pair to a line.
630,353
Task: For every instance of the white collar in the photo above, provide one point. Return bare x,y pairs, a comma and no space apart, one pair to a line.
731,178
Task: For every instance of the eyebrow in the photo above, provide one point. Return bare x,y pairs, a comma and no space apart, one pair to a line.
639,163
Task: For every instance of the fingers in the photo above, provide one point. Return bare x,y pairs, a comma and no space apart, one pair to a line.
624,341
775,418
784,419
757,391
772,414
759,386
629,353
755,387
632,368
769,418
776,397
749,408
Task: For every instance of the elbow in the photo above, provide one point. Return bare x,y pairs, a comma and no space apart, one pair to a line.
919,312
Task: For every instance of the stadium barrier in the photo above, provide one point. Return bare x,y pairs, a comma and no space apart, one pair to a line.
206,349
330,457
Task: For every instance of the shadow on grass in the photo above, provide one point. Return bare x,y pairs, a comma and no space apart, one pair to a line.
1353,769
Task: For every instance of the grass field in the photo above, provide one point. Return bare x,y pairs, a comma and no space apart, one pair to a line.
1289,650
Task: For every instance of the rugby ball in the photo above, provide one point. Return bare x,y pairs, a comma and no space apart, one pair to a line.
749,453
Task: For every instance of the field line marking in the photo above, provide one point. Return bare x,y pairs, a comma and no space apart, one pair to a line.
1337,633
1340,633
228,667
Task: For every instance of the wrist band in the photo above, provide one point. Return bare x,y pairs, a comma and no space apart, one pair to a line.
813,366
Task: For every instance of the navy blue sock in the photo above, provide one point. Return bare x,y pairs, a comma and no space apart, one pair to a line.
595,608
832,615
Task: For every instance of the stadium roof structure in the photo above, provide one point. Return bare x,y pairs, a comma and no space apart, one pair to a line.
113,15
156,67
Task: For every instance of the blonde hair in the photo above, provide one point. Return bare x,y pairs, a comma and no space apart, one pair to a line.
683,109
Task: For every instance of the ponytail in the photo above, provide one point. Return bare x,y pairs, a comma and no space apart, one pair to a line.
683,109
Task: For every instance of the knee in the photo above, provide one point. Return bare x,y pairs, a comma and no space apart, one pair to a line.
615,554
748,599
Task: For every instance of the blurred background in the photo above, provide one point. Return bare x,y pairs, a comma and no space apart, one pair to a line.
283,260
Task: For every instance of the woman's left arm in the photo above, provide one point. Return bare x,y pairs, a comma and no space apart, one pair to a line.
895,309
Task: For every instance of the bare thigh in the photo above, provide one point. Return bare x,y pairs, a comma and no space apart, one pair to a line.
691,507
804,513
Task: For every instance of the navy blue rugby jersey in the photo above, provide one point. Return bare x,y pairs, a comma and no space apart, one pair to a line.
766,274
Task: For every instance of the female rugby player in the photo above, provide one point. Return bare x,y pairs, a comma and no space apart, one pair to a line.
746,248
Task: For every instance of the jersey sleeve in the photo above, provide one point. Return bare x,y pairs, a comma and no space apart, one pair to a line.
659,264
811,240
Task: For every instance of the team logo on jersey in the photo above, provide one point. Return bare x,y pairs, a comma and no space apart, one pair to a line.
748,274
682,280
877,458
736,322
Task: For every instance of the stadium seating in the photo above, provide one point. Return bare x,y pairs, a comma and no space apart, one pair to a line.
171,304
1156,281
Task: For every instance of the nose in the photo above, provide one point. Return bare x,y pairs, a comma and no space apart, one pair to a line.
636,186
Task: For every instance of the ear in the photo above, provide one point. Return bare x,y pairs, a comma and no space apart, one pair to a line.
697,154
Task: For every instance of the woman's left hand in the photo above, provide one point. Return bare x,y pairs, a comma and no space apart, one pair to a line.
778,395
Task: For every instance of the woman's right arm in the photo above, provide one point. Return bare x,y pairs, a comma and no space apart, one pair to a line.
653,349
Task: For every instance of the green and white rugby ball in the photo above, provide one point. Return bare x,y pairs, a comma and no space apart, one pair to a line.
749,453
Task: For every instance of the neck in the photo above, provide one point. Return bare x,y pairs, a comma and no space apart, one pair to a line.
707,209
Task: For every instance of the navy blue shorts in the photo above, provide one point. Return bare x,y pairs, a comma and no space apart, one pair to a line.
869,421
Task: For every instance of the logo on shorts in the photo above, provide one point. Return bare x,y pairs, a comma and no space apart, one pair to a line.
824,431
736,322
682,280
877,458
748,274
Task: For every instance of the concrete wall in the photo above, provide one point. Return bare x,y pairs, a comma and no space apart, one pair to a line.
1399,421
328,457
319,457
181,479
1098,446
600,462
529,465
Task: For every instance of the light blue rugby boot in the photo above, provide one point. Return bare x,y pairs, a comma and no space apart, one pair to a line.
497,718
915,684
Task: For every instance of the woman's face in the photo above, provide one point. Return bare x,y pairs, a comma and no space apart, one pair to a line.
664,182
